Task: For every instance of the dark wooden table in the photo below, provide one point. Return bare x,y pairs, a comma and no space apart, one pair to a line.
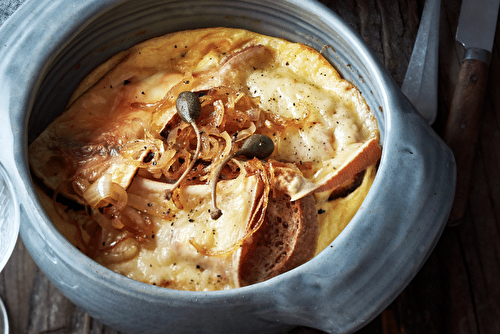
458,288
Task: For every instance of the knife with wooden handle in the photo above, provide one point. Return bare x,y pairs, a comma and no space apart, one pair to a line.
476,31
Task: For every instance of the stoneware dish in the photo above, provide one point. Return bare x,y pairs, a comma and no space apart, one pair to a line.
48,46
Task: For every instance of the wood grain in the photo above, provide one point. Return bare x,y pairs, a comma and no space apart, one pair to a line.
462,128
456,291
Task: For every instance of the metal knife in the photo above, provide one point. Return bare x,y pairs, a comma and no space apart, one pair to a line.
476,31
420,84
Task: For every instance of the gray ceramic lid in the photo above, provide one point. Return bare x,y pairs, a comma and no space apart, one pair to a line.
9,229
4,320
9,218
9,226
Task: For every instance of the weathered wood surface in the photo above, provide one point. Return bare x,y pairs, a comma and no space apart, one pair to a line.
456,291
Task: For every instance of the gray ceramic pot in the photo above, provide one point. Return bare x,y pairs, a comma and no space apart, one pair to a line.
48,46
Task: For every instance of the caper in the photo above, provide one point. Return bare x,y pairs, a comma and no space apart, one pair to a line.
189,109
257,146
188,106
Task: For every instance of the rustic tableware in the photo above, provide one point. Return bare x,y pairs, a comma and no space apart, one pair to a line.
48,46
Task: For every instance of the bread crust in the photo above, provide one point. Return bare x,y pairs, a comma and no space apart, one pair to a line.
286,239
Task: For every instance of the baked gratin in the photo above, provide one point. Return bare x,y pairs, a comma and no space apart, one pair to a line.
135,184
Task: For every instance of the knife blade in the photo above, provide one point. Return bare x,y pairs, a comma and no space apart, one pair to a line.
420,84
476,31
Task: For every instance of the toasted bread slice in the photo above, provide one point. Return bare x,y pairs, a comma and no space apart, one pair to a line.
286,239
290,180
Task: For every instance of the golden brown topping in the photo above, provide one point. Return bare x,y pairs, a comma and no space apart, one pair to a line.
182,108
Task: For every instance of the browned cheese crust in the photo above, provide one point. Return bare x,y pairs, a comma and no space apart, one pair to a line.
119,147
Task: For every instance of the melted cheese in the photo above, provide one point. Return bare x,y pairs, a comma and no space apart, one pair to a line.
315,118
173,261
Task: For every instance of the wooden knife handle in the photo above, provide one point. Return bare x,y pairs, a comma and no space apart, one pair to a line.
462,128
